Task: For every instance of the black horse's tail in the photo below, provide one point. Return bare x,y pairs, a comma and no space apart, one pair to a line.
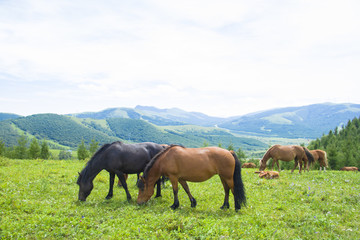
309,155
239,189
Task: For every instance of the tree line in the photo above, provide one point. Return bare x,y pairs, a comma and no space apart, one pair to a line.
36,149
342,145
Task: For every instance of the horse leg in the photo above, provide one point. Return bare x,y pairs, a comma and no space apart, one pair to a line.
226,190
295,165
123,183
174,184
273,162
158,188
187,190
112,179
277,163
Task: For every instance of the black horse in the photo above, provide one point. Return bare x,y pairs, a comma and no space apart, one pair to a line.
117,158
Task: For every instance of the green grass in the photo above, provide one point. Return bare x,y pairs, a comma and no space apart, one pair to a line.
38,200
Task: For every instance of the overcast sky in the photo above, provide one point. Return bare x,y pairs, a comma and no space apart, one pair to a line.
222,58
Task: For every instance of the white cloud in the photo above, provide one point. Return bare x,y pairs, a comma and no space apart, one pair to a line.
208,56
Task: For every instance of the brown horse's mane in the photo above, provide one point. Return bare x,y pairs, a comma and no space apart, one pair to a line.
156,157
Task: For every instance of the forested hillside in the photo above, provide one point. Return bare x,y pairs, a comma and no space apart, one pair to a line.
70,131
342,145
60,129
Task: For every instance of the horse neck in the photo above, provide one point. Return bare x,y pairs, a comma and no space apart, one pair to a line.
91,173
266,156
154,173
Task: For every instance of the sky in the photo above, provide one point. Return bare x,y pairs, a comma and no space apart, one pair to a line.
221,58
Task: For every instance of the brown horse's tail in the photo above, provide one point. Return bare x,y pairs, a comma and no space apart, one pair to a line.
239,189
309,156
325,159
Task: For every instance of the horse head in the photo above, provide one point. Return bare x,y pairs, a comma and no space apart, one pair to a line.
145,192
85,188
262,165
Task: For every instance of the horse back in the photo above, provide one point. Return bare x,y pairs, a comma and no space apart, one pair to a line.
197,164
130,158
285,153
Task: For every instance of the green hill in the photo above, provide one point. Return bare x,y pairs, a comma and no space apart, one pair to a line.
68,131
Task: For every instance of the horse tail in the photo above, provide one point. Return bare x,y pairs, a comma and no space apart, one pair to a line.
325,159
239,189
309,156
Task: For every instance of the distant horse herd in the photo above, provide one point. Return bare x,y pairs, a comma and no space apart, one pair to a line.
182,165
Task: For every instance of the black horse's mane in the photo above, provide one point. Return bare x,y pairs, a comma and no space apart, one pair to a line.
86,171
156,157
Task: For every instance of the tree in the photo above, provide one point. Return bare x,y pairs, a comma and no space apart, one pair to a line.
82,152
205,143
65,154
231,147
93,146
240,154
44,152
21,149
34,149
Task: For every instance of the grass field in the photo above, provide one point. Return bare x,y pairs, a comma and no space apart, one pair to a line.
38,200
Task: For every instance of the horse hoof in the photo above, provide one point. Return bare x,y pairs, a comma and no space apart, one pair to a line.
174,206
225,207
193,203
158,196
108,197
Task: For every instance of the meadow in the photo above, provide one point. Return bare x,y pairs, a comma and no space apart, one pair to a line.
38,200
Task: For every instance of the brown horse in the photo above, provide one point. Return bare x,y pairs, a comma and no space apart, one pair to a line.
321,157
286,153
182,164
268,174
248,165
349,169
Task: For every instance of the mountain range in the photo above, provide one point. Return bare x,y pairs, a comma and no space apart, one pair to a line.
192,129
309,121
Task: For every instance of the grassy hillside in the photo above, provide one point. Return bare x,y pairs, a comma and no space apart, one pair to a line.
39,201
310,121
69,131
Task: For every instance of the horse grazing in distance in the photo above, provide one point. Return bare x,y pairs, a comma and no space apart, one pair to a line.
287,153
321,157
248,165
349,169
182,164
268,174
117,158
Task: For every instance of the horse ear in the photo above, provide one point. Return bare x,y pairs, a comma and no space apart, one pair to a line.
79,174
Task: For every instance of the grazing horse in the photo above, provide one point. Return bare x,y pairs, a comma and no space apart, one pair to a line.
248,165
182,164
286,153
117,158
321,157
349,169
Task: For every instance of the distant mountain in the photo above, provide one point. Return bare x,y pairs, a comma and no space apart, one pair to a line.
192,129
310,121
160,117
5,116
68,131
